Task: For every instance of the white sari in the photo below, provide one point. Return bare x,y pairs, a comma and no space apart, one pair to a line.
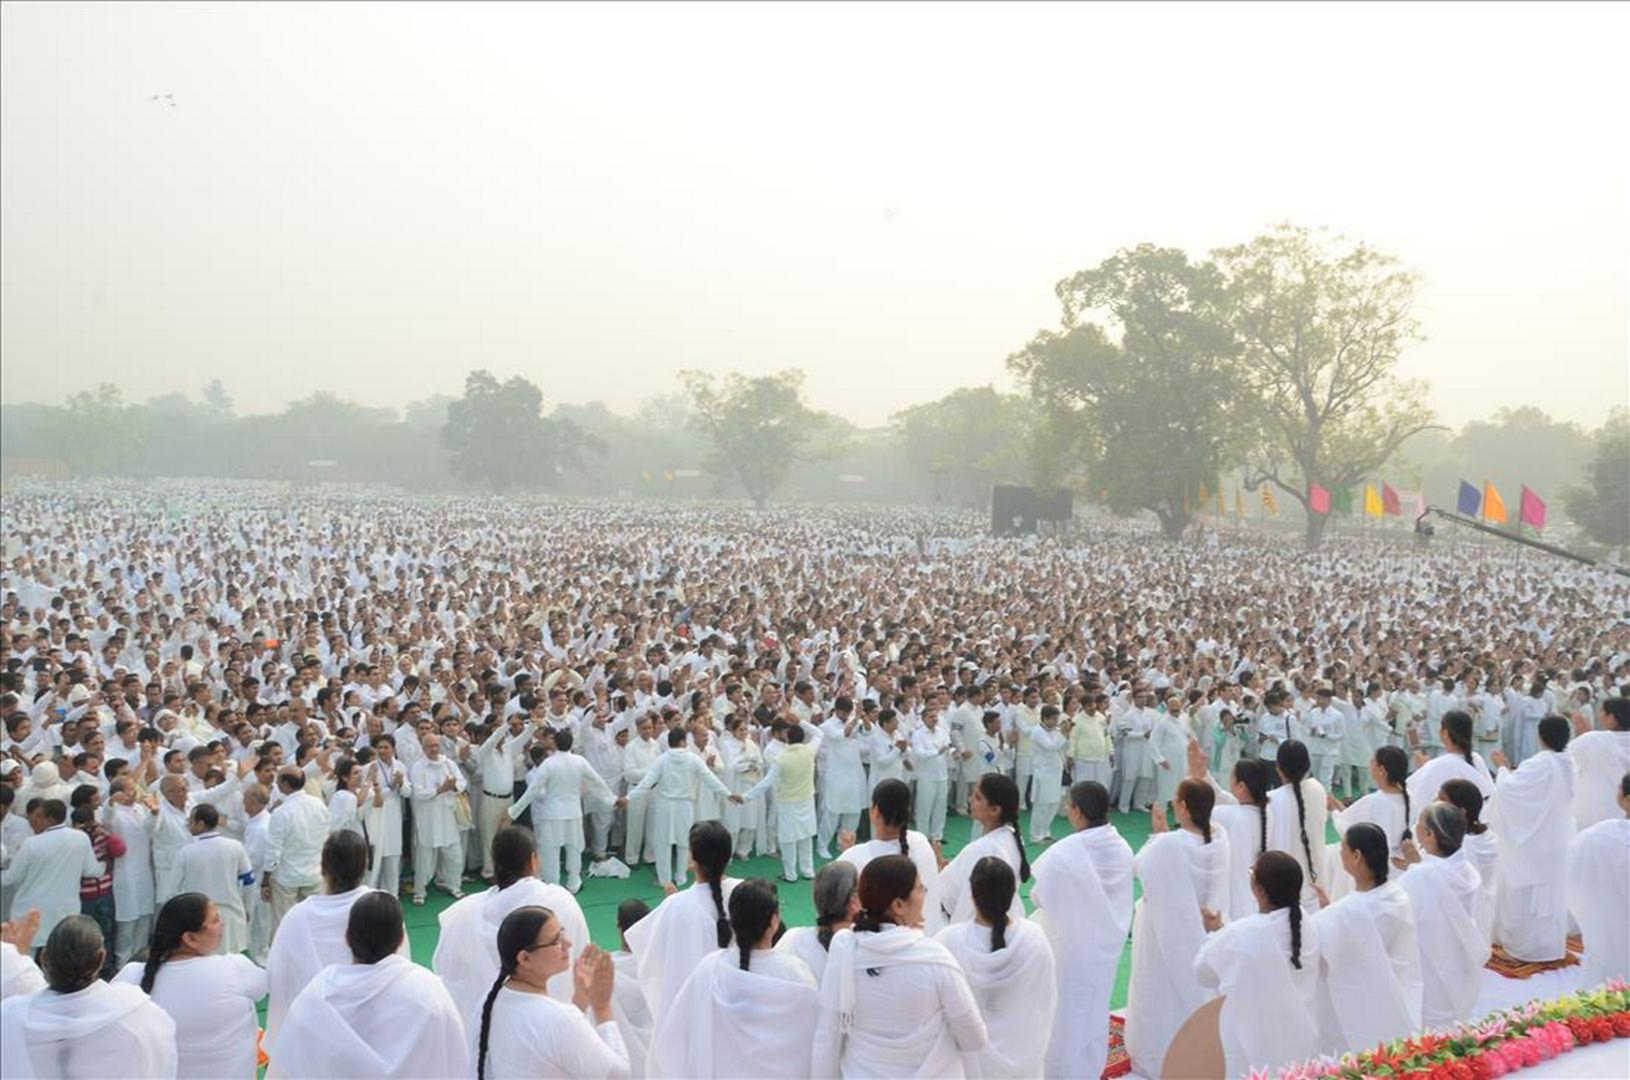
1371,991
1015,987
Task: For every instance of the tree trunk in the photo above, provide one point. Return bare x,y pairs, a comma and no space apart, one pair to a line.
1316,523
1172,523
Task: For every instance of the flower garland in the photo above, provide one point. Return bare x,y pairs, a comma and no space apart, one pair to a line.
1502,1043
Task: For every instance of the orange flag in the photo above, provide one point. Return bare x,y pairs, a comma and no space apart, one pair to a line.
1493,505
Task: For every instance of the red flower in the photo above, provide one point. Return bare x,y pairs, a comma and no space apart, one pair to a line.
1621,1025
1582,1034
1460,1070
1488,1066
1601,1028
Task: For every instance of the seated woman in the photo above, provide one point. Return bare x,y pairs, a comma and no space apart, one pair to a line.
892,834
211,998
1010,969
1372,961
668,943
995,806
1443,891
893,1002
1266,968
837,902
524,1031
746,1011
1386,807
79,1026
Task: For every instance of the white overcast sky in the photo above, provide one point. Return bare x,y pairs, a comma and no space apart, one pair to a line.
372,200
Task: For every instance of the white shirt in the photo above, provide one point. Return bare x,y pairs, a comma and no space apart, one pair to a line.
294,841
212,1001
533,1035
46,872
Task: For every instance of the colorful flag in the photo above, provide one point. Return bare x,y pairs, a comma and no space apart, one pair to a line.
1493,505
1268,502
1372,501
1222,503
1344,500
1471,500
1389,500
1318,499
1239,503
1533,508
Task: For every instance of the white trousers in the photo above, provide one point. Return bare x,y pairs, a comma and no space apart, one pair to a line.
1022,769
798,856
929,808
832,824
599,831
549,857
1041,818
670,863
129,938
447,862
635,849
493,815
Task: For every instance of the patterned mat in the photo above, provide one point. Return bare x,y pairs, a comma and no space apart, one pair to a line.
1118,1064
1503,963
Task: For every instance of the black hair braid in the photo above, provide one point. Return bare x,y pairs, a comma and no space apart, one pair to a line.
486,1024
1295,911
722,924
1024,859
157,956
1301,820
1395,764
746,951
998,932
1262,821
1408,832
905,847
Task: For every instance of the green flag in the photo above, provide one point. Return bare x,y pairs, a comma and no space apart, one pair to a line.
1344,500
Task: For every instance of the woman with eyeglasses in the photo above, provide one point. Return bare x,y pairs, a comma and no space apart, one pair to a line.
525,1032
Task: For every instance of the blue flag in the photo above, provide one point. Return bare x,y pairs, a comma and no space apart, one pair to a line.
1470,499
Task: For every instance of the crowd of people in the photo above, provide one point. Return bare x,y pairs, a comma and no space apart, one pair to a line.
242,724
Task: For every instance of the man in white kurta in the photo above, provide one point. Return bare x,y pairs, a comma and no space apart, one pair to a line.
45,871
294,844
843,780
133,887
218,866
639,755
383,815
437,844
555,793
672,780
1532,821
171,833
1599,892
1083,895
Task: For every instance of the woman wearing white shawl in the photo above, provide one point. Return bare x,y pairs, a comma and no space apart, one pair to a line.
1598,883
1185,888
1532,821
893,1002
1442,890
743,767
1083,898
835,892
1479,848
1457,762
994,805
466,954
1266,969
668,943
378,1016
79,1026
747,1011
1387,808
1010,969
1371,990
1297,811
1242,816
1600,759
891,819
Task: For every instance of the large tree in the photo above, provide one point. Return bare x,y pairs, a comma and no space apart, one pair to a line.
963,443
1147,405
100,434
1601,505
497,435
758,426
1321,323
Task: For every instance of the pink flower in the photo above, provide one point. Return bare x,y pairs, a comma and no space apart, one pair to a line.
1511,1054
1531,1052
1561,1036
1491,1064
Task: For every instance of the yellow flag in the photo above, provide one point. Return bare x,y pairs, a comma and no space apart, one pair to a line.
1268,502
1372,501
1222,503
1493,505
1205,495
1239,503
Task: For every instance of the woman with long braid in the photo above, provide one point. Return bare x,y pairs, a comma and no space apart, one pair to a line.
1011,970
1242,815
995,805
1387,807
892,834
1266,967
522,1031
836,892
210,997
1442,890
1185,889
748,1010
1370,954
668,943
1457,762
1297,811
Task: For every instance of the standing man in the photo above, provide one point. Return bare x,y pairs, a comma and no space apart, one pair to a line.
843,783
294,845
384,813
47,869
437,846
495,760
218,866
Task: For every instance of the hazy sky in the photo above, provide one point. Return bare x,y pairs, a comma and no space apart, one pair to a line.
372,200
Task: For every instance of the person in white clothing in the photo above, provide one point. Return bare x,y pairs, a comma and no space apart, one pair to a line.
256,820
1386,807
312,936
1047,744
1599,892
1011,970
19,974
466,957
556,792
378,1015
217,866
747,1011
641,753
383,814
835,893
1458,762
295,838
1297,811
523,1030
668,943
78,1027
1083,897
929,762
894,1002
1266,969
994,805
438,846
497,757
672,780
892,835
210,997
1533,824
1442,890
1600,759
45,871
1371,987
133,884
843,776
1185,890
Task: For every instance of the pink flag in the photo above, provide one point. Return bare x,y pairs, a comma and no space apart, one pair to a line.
1318,499
1533,509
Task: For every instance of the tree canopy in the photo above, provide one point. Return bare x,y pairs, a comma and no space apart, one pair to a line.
758,427
498,436
1601,505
